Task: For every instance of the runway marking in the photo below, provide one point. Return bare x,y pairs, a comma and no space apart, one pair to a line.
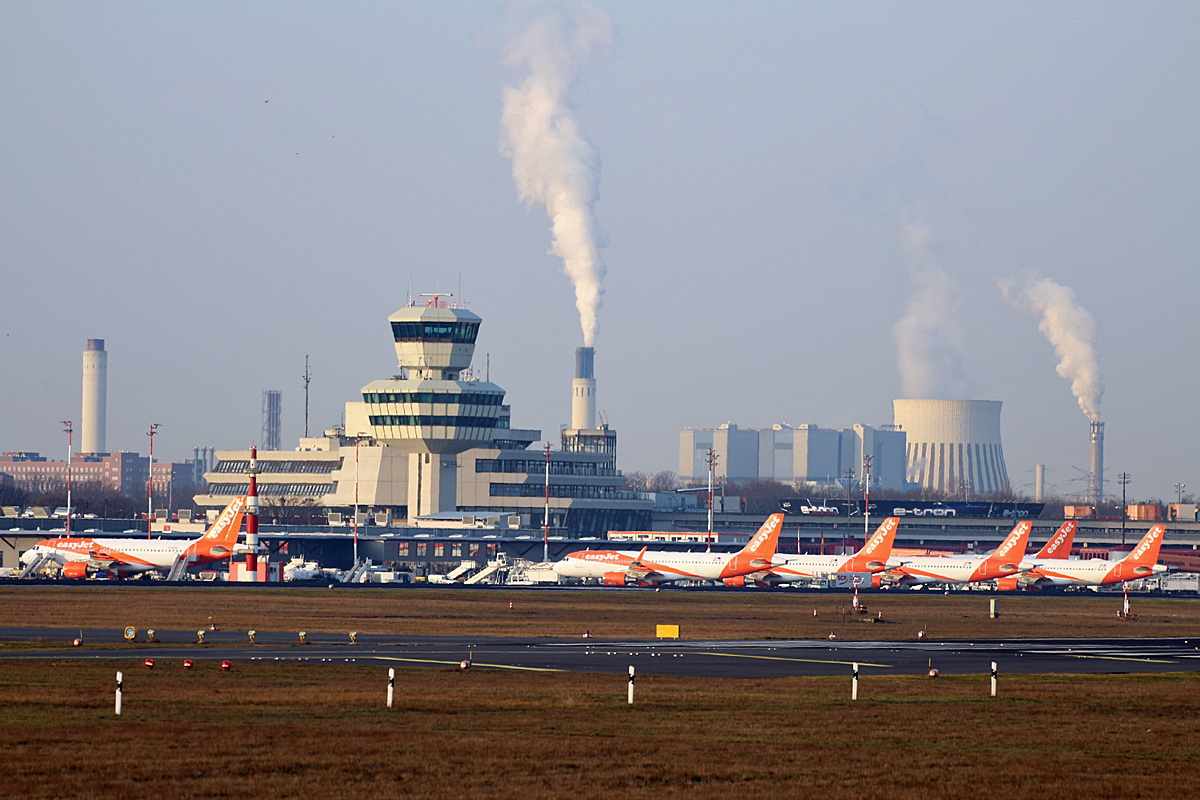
805,660
1124,658
473,664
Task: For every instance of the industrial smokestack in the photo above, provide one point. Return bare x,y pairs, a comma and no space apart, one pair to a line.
583,390
1039,483
1096,482
95,398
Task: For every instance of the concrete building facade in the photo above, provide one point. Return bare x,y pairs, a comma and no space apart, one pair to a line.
794,455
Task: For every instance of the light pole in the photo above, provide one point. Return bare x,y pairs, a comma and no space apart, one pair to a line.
866,498
546,514
712,463
1179,487
849,482
357,439
150,482
70,443
1123,479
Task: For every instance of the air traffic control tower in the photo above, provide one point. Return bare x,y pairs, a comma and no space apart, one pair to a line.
432,410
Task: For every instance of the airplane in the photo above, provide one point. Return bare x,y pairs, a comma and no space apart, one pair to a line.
872,557
1005,560
81,557
1057,549
649,568
1141,562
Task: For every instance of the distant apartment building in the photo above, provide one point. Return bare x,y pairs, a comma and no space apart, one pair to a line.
794,455
121,472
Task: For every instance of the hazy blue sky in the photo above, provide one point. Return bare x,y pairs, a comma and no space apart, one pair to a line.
217,189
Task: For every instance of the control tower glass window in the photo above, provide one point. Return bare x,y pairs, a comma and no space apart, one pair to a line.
455,332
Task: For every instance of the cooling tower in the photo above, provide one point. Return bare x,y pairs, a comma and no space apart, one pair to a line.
95,398
583,390
951,442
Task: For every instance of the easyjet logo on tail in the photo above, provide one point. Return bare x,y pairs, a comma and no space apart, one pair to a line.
769,528
1008,544
882,535
1148,541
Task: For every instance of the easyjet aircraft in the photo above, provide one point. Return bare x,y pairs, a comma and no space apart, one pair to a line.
1141,562
873,557
1057,549
618,568
121,557
1005,561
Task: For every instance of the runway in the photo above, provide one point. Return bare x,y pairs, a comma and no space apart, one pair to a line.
707,658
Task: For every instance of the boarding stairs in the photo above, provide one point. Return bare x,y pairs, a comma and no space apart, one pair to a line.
356,572
35,565
460,570
500,563
179,567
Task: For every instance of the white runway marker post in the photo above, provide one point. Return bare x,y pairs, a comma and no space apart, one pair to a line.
630,685
854,683
120,686
391,685
993,679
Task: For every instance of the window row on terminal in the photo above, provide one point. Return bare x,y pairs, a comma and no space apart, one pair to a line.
538,466
449,421
455,332
457,398
558,490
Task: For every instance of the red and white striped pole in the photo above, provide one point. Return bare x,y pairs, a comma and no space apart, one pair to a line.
251,575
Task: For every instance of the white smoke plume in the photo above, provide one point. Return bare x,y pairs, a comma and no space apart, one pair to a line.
553,163
929,339
1072,330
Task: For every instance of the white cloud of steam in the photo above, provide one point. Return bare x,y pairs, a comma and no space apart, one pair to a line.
1072,330
553,163
929,339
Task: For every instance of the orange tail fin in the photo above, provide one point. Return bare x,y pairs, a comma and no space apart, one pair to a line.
762,545
221,538
1012,549
874,554
1146,553
1060,543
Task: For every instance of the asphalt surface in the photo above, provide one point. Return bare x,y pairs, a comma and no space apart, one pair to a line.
701,658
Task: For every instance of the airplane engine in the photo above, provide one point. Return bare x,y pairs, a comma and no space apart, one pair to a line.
876,581
1008,584
737,582
614,579
75,569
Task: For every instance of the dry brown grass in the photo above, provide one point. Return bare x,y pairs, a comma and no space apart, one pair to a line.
267,730
613,614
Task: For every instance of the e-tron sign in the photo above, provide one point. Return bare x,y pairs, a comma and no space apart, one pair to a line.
912,508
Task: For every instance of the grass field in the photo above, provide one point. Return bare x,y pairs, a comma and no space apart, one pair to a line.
607,614
266,730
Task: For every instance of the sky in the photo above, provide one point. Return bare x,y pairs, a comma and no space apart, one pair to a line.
219,189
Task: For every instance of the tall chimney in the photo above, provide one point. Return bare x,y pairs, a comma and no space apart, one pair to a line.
1039,483
1096,482
583,390
95,398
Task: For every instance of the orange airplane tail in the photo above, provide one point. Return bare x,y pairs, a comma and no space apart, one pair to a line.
1060,543
759,550
222,537
874,554
1146,553
1012,549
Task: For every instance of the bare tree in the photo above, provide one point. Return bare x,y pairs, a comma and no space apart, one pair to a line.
637,481
664,481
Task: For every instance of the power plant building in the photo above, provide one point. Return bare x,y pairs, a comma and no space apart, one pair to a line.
805,454
953,445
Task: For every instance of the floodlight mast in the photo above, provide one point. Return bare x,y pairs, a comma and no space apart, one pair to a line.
150,482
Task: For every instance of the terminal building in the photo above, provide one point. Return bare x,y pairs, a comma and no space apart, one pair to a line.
436,444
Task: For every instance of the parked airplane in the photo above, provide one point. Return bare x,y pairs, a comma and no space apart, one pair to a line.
1005,560
1141,562
1057,549
872,557
81,557
618,568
